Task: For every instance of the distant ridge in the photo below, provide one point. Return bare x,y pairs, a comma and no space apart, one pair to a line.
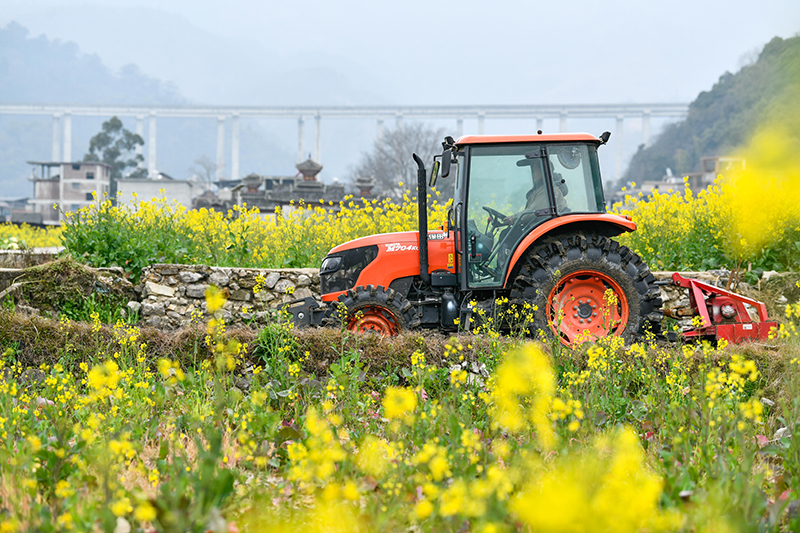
722,119
29,66
38,69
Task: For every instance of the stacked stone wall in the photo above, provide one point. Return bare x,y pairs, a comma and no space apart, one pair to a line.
28,258
174,295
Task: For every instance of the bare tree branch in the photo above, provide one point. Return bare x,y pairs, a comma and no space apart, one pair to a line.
390,161
206,170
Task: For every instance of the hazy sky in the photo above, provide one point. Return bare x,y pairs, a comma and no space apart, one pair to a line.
414,52
419,52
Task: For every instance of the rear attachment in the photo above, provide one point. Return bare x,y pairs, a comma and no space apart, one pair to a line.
723,313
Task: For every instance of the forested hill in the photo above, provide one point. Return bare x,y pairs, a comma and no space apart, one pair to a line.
722,119
40,70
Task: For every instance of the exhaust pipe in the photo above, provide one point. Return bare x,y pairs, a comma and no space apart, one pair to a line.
422,201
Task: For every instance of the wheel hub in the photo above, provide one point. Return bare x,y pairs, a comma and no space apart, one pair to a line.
580,307
373,319
584,310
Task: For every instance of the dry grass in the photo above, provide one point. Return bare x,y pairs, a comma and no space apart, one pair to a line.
328,345
50,287
37,340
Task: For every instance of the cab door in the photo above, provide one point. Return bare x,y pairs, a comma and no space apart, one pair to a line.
506,193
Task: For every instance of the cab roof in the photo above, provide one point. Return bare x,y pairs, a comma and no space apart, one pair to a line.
550,137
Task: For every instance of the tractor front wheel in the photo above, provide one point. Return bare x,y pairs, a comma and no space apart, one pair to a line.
586,287
370,309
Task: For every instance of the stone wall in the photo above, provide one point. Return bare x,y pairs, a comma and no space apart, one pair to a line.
27,258
172,295
7,276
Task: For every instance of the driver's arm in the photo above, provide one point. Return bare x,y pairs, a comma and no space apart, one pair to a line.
530,204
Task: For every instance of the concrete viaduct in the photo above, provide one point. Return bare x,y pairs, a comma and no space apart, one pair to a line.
62,120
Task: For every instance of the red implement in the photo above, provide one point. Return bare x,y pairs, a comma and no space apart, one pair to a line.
723,313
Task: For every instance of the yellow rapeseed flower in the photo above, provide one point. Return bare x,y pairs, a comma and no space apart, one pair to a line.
215,299
399,403
523,390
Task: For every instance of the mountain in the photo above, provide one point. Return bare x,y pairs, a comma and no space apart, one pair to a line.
39,70
207,66
720,120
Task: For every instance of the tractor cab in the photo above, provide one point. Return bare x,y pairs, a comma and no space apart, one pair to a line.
508,186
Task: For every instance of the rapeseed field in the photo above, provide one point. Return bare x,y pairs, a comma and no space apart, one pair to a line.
503,435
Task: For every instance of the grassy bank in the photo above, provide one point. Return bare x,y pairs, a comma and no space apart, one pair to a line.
221,429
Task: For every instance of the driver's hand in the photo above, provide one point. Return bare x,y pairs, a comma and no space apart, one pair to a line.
509,219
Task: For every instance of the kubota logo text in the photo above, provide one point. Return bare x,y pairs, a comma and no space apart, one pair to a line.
397,247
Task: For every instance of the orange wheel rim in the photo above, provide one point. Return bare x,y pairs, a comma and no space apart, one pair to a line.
579,310
373,320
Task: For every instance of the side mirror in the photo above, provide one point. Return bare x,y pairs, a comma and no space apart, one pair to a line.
447,157
434,172
604,137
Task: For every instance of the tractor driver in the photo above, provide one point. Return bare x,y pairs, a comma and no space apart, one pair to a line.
536,198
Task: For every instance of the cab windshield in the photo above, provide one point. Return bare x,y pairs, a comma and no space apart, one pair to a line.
515,187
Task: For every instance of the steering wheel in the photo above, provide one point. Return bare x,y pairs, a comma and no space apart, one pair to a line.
496,216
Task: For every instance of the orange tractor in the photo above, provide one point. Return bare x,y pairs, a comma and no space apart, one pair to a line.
528,228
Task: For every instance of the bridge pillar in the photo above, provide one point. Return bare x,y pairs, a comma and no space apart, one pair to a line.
459,127
481,122
300,134
56,153
618,150
235,146
646,128
140,133
317,138
220,147
151,146
539,124
379,132
562,122
67,137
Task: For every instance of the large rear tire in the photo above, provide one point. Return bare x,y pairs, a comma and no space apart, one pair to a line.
370,309
585,287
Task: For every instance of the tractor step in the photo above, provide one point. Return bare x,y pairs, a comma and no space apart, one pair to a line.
305,312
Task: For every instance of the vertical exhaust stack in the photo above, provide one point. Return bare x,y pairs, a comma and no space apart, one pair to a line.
422,200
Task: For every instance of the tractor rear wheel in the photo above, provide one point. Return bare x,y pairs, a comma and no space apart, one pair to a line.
586,287
370,309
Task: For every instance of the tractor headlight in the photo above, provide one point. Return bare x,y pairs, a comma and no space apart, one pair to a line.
340,271
330,264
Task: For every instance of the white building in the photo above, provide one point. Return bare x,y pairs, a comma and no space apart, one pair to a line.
73,187
181,190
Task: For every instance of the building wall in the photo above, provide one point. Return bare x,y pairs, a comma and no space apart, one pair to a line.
81,191
73,189
81,171
145,189
46,190
80,182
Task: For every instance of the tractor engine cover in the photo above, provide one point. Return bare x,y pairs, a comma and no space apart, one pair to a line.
378,260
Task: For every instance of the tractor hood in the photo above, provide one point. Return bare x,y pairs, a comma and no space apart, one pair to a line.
408,240
381,259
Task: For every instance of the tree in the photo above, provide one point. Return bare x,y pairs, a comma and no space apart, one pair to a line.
390,161
116,146
206,171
